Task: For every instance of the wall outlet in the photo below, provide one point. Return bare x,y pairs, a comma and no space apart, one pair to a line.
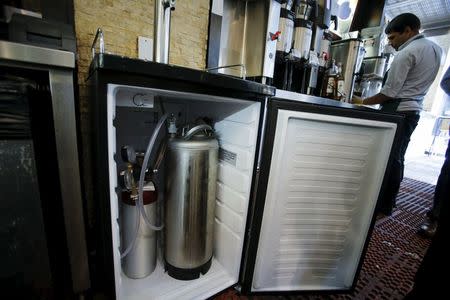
145,48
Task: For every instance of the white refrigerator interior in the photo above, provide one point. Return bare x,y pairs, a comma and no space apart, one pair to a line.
131,120
325,177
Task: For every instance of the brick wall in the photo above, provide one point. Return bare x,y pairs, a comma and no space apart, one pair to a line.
189,33
122,21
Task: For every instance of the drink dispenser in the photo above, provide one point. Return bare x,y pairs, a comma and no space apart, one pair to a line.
284,45
303,28
286,27
190,189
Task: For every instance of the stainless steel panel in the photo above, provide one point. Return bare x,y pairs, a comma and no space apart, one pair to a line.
61,87
232,36
245,36
36,55
255,37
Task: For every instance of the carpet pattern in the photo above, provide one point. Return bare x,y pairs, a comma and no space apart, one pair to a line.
394,254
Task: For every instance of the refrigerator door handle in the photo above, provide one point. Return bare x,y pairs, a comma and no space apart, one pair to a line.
61,85
261,134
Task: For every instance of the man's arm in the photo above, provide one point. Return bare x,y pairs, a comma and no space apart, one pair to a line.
376,99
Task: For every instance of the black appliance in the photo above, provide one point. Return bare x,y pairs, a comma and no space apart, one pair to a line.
42,23
43,247
298,179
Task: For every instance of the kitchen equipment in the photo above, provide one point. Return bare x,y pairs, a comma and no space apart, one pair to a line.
141,261
244,33
372,73
374,40
374,66
303,28
43,253
279,182
286,29
191,176
284,45
350,53
302,38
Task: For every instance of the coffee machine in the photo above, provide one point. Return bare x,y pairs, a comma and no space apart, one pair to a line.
293,48
299,68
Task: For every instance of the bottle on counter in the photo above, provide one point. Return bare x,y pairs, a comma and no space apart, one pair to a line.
340,81
330,81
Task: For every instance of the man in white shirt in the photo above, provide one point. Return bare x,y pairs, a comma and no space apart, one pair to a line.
411,74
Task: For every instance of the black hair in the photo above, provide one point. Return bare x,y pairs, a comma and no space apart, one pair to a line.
400,22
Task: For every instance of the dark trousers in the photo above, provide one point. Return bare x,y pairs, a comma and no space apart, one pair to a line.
441,191
395,176
430,283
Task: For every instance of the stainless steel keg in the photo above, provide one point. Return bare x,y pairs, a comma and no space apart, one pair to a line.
190,191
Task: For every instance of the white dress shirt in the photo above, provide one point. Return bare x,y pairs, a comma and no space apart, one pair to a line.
412,72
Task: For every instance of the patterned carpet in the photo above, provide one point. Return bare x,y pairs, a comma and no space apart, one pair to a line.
394,254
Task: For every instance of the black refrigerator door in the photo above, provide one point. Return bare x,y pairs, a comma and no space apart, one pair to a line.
25,263
322,171
42,237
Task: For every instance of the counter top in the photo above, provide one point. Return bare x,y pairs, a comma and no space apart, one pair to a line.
110,62
291,96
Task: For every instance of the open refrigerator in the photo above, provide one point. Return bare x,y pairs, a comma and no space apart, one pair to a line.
297,180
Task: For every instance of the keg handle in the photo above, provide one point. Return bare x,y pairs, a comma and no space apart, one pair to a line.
196,129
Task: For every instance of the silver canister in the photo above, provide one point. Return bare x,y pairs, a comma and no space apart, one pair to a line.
286,27
190,191
302,38
141,261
